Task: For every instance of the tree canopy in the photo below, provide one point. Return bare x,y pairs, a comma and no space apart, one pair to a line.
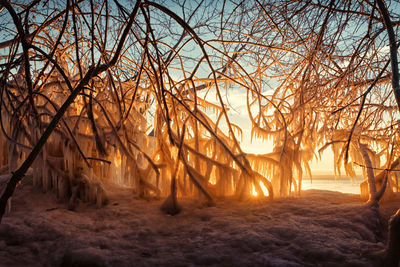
138,94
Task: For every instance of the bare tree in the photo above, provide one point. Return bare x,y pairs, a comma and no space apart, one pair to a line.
94,92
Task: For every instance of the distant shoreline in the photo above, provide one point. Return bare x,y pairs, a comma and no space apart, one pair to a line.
331,177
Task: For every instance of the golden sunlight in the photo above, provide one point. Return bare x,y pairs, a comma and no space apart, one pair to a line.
263,188
237,125
253,190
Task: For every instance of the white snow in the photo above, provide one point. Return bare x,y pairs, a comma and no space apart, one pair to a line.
320,228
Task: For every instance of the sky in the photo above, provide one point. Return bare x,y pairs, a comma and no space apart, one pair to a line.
237,111
235,99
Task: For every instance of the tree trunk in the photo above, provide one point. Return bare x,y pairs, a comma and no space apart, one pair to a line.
392,252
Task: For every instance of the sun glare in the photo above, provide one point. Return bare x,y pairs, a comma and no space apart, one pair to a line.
212,180
253,190
263,188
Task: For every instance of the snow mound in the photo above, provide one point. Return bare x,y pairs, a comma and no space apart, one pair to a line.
320,228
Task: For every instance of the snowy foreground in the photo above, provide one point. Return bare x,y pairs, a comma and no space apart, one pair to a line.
321,228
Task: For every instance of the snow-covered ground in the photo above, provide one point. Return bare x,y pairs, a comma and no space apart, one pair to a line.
321,228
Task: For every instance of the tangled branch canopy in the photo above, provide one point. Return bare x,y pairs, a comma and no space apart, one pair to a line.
311,75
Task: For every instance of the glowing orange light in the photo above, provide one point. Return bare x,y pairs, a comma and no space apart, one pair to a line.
253,190
212,180
263,188
117,159
213,176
